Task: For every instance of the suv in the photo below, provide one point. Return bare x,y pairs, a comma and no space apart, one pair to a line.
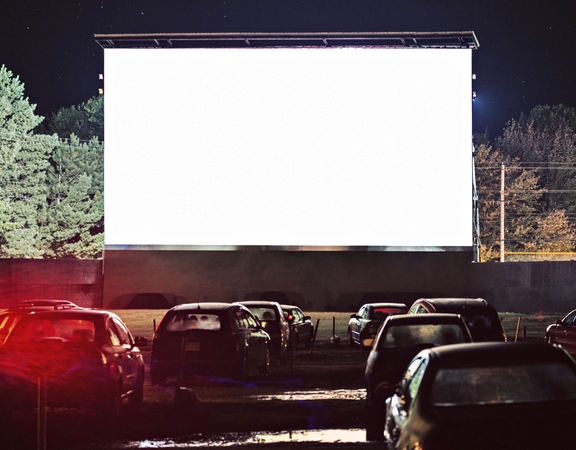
480,316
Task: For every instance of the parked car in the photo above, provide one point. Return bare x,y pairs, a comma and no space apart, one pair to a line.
203,342
86,358
399,339
10,316
481,316
563,332
272,318
485,396
301,324
364,324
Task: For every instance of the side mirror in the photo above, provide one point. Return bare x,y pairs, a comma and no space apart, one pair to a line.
385,390
353,316
140,341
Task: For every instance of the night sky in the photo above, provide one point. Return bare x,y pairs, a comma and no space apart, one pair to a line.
526,55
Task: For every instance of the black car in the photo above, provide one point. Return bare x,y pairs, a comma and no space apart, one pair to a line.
363,325
85,358
481,316
204,342
490,395
303,329
271,316
399,339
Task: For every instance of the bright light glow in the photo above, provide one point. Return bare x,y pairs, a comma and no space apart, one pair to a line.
288,147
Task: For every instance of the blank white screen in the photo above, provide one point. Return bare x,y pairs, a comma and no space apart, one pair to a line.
288,147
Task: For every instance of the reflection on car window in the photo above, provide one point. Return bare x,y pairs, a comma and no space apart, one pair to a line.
501,384
65,329
264,314
410,335
184,321
478,321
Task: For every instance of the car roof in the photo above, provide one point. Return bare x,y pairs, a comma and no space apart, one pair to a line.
42,303
387,305
77,313
203,306
457,304
498,353
288,306
414,319
259,303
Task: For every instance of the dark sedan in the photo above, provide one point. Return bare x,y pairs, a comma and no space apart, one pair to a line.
204,342
85,358
485,396
363,325
303,329
400,338
563,332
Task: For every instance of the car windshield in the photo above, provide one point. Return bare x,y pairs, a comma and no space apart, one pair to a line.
433,334
65,329
503,384
183,321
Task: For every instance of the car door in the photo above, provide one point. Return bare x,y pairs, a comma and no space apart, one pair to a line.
400,405
356,324
564,333
128,361
255,337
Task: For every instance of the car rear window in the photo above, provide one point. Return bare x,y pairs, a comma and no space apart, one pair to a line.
184,321
66,329
410,335
264,314
503,384
382,313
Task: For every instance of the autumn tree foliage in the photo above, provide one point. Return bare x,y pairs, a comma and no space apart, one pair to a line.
538,152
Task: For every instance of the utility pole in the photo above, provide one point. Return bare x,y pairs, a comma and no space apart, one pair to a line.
502,213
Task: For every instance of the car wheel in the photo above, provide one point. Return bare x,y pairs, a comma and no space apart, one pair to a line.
374,423
242,370
113,401
136,397
263,370
350,340
308,343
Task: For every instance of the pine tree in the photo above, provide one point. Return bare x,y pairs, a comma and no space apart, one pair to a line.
23,161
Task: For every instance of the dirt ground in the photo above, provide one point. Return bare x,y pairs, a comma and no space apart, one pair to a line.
213,410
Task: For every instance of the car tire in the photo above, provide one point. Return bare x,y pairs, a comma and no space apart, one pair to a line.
264,369
351,342
113,401
242,370
374,424
136,397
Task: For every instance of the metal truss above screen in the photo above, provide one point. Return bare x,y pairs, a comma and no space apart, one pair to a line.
464,39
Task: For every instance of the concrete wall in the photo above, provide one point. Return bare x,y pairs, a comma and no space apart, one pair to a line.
337,281
79,281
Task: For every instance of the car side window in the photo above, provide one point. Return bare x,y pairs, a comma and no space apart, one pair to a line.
123,333
412,381
298,316
245,321
569,319
364,313
113,334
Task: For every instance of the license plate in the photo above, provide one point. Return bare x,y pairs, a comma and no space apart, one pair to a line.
192,346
